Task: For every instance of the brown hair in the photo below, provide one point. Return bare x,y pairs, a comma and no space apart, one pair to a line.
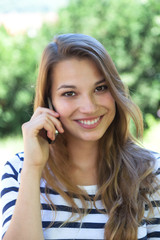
120,157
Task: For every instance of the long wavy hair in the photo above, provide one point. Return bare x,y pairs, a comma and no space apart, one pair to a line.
125,170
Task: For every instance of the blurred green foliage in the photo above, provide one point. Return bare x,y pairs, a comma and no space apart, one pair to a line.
130,31
19,57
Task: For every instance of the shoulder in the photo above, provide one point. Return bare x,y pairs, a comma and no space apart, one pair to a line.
13,166
157,163
9,188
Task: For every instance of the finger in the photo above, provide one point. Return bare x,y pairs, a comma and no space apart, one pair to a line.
44,125
42,110
51,126
34,126
57,124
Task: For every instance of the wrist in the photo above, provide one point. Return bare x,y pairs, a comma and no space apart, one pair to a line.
31,172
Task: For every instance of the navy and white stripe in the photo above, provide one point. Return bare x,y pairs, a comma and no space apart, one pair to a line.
92,225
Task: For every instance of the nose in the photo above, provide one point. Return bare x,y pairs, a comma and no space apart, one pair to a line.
88,105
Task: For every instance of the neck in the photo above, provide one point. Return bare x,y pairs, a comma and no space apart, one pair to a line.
83,156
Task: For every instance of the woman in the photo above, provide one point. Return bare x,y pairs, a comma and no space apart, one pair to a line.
93,181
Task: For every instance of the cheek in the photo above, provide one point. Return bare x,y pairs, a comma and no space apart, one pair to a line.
108,101
64,109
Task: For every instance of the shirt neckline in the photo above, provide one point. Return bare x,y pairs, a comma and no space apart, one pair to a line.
90,189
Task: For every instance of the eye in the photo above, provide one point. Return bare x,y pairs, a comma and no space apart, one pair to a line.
101,88
69,94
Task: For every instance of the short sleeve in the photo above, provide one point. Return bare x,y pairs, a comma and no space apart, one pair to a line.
9,189
153,226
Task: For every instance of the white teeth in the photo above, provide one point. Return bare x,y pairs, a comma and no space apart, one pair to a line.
89,122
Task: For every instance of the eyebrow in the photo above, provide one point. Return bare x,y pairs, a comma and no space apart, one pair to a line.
74,87
99,82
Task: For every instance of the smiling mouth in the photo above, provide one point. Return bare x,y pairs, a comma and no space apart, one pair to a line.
89,123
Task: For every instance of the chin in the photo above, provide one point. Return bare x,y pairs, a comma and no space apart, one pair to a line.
86,137
92,138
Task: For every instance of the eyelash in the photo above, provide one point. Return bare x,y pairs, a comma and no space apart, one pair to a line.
101,88
69,94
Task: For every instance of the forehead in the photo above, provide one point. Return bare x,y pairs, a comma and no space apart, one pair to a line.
76,70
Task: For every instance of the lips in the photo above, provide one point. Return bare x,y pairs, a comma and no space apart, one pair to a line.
89,123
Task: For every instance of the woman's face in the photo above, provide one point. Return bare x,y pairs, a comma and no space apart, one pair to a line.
81,96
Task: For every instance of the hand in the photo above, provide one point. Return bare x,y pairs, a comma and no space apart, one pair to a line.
36,148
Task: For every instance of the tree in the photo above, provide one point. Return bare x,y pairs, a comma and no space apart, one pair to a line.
130,31
19,60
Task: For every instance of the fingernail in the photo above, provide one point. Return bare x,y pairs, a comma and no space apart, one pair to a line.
56,113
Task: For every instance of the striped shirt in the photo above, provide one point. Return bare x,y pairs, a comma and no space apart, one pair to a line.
91,226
